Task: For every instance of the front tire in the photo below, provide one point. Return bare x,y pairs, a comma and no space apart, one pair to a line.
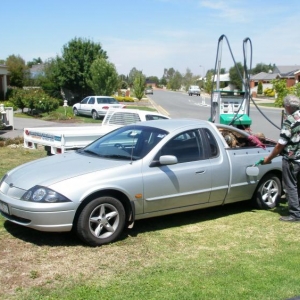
75,111
101,221
268,192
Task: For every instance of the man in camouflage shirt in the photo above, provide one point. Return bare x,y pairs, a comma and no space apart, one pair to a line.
288,146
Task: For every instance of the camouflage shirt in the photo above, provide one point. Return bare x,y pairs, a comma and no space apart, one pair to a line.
290,136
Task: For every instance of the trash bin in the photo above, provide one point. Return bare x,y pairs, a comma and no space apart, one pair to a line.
10,116
7,116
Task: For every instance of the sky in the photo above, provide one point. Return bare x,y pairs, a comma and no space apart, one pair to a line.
155,35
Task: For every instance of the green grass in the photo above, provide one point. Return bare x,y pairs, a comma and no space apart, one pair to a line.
231,252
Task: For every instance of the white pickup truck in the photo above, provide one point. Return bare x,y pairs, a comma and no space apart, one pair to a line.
57,140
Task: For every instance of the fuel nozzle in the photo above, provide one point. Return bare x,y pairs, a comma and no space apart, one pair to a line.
260,162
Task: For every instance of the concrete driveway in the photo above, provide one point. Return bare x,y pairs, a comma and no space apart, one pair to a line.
21,123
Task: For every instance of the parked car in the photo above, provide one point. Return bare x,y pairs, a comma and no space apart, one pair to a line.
96,106
194,90
148,91
138,171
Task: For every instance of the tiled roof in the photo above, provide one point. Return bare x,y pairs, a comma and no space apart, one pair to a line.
264,76
287,71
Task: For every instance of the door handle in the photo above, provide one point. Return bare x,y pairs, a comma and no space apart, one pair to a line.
200,172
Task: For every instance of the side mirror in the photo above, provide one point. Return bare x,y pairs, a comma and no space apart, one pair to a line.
252,171
168,160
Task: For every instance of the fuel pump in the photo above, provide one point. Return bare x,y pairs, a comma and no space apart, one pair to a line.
231,107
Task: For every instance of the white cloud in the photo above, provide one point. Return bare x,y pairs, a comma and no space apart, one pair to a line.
226,10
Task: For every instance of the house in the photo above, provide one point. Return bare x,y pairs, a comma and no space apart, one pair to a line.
289,73
150,83
37,70
224,80
3,81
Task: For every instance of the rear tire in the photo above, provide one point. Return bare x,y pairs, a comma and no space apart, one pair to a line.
268,192
95,115
101,221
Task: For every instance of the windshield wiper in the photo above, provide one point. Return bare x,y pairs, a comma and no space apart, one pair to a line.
90,152
118,156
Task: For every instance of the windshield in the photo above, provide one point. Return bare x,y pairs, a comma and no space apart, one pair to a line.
129,142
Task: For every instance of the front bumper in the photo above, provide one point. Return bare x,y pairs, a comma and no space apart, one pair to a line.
55,217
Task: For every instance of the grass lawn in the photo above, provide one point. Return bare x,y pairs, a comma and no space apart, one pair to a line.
230,252
63,113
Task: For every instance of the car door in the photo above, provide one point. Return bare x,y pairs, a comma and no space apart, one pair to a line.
186,183
90,106
82,106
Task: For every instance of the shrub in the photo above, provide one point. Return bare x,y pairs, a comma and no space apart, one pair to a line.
33,99
269,92
124,99
9,104
260,88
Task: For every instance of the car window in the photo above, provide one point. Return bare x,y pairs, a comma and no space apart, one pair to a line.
213,145
112,101
101,100
154,117
85,100
122,118
130,142
92,100
186,147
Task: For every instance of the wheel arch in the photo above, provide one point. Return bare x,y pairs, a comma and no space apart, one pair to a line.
127,204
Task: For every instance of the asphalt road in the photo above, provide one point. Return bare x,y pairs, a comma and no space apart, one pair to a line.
181,105
176,105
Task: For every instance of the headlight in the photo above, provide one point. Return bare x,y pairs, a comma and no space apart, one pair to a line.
43,194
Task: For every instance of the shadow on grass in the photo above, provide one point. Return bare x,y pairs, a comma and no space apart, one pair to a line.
190,217
54,239
40,238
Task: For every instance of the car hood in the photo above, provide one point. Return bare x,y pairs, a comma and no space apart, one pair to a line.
57,168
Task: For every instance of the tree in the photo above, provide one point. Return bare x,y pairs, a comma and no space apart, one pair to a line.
281,90
17,69
188,79
163,81
35,61
212,71
75,63
139,85
103,77
260,88
175,81
16,96
153,79
262,68
209,83
131,76
168,74
236,75
49,80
